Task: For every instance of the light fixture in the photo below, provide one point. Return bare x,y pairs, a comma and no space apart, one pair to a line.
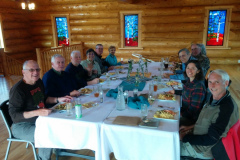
28,5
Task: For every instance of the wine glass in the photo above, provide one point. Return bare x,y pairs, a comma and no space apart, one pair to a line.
96,91
151,98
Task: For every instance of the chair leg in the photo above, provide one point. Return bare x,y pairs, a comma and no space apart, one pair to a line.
8,148
34,151
27,145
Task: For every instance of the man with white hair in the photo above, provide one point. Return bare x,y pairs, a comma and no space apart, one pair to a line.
57,82
218,115
78,72
27,101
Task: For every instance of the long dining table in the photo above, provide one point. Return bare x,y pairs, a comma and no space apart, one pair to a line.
96,130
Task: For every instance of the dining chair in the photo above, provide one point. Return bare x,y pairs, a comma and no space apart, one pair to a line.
8,123
63,152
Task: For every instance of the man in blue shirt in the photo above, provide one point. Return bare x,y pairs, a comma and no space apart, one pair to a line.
185,57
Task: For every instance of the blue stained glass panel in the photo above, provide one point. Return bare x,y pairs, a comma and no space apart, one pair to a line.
131,30
62,31
216,27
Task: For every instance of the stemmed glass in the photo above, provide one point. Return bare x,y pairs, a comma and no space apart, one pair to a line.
151,97
108,78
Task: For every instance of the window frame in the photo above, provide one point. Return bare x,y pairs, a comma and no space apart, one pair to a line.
122,27
226,30
2,45
54,28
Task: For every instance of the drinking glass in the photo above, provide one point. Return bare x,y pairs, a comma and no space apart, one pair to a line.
108,78
151,98
144,111
150,87
155,84
69,109
166,63
126,96
96,91
135,92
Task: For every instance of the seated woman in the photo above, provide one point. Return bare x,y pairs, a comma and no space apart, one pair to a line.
193,93
111,58
92,65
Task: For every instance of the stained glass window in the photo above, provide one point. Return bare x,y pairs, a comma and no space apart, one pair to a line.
62,31
216,27
131,30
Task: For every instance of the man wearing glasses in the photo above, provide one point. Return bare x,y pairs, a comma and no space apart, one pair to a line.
27,102
101,62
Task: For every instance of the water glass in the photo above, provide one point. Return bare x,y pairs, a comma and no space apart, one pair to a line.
155,84
126,96
135,92
150,87
144,111
69,109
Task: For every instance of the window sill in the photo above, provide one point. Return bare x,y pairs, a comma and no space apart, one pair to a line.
218,47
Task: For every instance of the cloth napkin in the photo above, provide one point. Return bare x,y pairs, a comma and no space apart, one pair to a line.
112,93
130,86
135,102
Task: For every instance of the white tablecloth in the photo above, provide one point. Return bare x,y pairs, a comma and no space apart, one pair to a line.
96,132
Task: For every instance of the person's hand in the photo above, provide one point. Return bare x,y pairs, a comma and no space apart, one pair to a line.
171,92
95,81
89,67
65,99
94,71
174,64
166,75
183,130
74,93
172,69
111,68
43,112
121,62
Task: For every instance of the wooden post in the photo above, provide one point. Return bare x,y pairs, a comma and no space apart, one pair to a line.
39,61
4,62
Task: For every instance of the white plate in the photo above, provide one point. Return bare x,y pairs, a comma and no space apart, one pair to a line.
175,117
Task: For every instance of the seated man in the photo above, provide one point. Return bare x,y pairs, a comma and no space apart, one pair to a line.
218,115
199,52
27,102
57,82
76,70
185,57
101,62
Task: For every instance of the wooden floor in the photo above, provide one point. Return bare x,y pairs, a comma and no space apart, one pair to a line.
18,150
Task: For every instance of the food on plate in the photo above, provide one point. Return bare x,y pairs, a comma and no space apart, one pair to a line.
86,91
101,80
171,83
166,96
161,86
111,73
119,67
167,114
61,106
88,105
148,75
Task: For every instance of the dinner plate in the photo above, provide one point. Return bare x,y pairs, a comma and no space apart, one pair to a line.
175,117
60,106
166,99
85,91
101,80
90,104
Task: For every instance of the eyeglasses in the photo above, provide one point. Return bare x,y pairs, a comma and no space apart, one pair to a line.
32,70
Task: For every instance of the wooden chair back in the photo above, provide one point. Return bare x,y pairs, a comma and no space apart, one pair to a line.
44,55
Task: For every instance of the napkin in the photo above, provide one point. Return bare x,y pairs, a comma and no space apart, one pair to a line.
130,86
135,102
112,93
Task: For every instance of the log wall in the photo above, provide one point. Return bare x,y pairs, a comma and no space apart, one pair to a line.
167,26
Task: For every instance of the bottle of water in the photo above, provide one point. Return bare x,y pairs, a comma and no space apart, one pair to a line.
120,104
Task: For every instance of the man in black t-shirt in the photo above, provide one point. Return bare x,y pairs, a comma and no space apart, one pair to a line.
27,102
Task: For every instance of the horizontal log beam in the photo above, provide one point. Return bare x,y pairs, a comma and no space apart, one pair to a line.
107,29
173,19
173,35
96,37
88,22
178,27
